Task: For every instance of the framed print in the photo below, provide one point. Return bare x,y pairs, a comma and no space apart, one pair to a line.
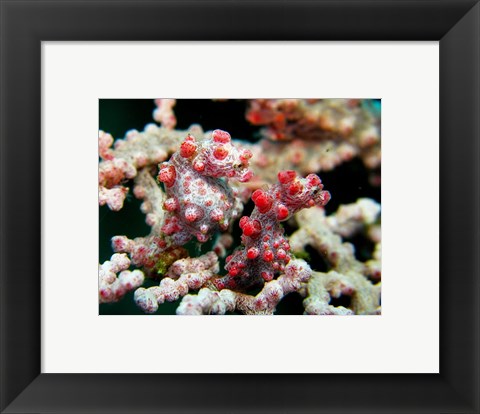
141,312
418,352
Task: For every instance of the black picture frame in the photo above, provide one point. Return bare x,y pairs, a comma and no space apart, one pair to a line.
25,24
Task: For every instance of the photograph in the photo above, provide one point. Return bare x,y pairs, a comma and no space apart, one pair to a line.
239,206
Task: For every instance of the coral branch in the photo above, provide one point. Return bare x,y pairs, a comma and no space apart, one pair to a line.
164,114
153,197
197,203
208,302
112,288
315,231
151,253
182,276
264,303
199,200
314,135
265,251
351,218
321,288
136,151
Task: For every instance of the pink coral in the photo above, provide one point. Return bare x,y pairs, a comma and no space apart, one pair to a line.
164,114
112,288
208,301
205,183
265,250
111,173
345,128
199,201
152,253
183,275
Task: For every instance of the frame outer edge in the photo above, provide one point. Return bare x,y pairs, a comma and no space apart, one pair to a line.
19,220
20,339
460,183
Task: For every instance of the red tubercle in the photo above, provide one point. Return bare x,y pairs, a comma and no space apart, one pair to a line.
295,188
268,255
188,148
234,270
246,177
202,238
276,266
219,284
199,166
221,136
267,276
245,155
171,226
262,200
170,204
243,221
326,196
252,253
167,174
314,180
282,212
220,153
193,213
251,228
216,214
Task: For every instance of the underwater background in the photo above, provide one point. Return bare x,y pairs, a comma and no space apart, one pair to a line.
346,183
